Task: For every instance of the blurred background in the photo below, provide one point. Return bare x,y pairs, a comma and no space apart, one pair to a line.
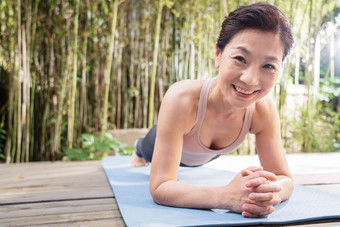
71,71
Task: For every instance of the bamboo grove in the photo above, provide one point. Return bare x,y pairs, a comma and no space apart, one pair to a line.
69,67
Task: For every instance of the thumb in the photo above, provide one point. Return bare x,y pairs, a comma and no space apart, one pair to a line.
255,168
246,172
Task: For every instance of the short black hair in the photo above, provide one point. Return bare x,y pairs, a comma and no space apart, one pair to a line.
262,16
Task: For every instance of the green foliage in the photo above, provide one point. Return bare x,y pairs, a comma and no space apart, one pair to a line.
330,92
313,135
329,100
93,148
319,130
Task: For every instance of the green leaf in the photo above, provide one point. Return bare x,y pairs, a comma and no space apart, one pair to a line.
87,140
77,154
105,8
53,3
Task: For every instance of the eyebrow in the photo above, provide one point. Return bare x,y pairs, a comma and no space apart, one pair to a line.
269,58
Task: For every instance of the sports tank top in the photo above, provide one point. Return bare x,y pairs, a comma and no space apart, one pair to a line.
194,152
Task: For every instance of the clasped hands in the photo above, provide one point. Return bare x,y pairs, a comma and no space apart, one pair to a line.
255,192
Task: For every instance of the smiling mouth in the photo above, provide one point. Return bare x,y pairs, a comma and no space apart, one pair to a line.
242,91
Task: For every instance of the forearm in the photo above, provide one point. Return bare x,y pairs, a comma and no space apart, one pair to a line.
287,185
180,194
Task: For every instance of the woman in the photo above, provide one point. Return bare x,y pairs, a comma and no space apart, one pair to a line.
199,120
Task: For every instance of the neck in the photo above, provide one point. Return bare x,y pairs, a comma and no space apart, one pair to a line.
219,104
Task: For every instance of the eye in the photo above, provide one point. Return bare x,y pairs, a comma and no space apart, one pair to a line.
269,66
241,59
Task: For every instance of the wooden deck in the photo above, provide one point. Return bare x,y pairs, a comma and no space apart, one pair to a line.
78,193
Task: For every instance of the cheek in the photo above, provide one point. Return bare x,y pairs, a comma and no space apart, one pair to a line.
269,82
228,69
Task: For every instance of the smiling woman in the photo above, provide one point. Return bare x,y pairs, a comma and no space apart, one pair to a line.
201,119
249,66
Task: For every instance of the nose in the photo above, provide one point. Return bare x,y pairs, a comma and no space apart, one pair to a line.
250,77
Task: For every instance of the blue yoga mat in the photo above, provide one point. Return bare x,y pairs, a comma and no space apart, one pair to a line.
131,189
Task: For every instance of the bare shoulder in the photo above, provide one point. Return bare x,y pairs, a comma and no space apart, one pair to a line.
265,114
180,103
185,87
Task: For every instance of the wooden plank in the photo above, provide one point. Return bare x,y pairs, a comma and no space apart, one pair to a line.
64,219
87,212
57,207
91,223
53,181
53,192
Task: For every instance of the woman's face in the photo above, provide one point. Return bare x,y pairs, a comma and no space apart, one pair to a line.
249,66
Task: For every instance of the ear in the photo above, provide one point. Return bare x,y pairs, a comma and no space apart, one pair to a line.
217,57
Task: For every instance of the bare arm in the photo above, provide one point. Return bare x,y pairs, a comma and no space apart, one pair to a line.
270,150
175,118
266,126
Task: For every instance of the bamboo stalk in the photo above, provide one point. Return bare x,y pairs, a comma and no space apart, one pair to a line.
297,64
28,78
331,55
74,78
154,64
11,90
162,78
119,85
316,70
137,112
146,70
128,115
225,7
83,92
61,93
25,93
19,87
108,69
113,89
33,79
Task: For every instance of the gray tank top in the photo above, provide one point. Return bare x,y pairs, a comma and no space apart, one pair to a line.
194,152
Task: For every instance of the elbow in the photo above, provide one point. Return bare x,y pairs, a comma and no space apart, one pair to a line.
158,198
160,195
155,194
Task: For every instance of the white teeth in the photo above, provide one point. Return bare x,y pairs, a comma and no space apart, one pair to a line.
243,91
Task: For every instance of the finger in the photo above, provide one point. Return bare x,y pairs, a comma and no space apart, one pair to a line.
255,182
264,199
277,200
264,188
263,203
249,215
246,172
262,173
261,196
257,210
250,170
255,168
